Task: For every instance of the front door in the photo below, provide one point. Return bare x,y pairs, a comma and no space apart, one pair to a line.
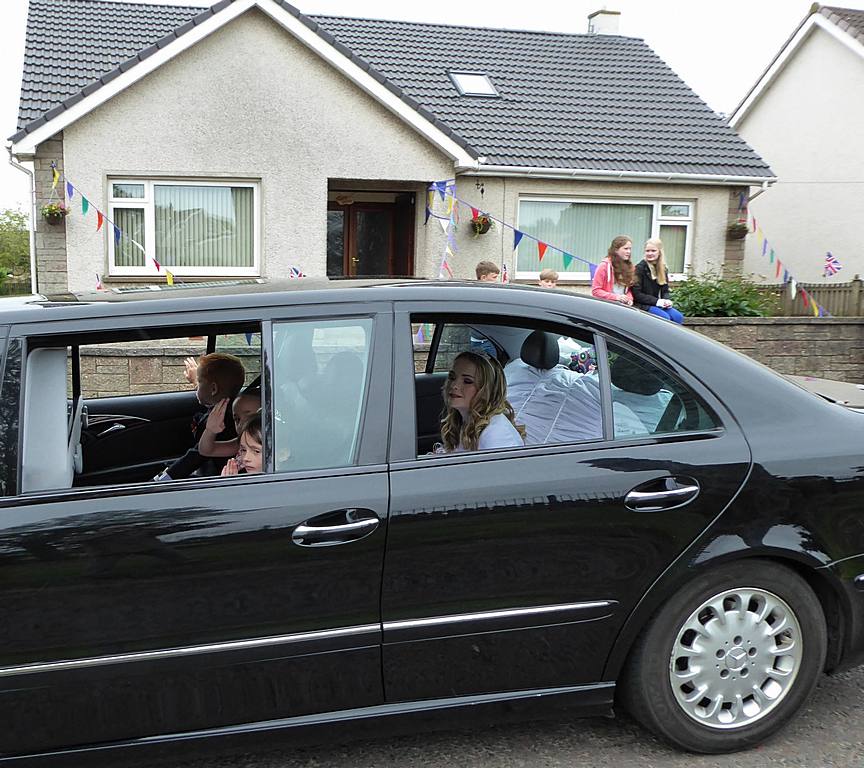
149,608
366,239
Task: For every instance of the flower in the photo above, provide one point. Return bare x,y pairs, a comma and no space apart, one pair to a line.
481,224
54,211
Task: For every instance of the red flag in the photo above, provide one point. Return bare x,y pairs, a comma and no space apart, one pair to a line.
158,265
777,271
541,250
474,213
804,297
98,220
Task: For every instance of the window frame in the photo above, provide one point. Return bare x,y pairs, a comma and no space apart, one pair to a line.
455,74
657,220
148,204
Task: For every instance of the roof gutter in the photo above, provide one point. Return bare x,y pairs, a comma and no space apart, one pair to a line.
588,174
32,217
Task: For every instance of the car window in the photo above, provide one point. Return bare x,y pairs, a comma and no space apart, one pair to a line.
9,408
648,400
320,371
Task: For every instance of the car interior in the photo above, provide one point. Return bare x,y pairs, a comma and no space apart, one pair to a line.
77,437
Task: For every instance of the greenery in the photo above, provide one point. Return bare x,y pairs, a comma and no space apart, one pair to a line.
14,244
709,295
54,211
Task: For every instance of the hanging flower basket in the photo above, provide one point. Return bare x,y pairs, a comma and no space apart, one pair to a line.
481,224
54,213
737,231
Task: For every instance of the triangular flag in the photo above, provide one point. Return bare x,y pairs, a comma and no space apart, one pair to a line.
70,190
541,250
418,337
169,278
445,223
99,285
765,246
441,186
474,213
568,260
755,225
157,265
116,234
817,310
592,268
786,277
55,176
793,287
428,214
85,205
517,236
772,257
248,335
804,298
99,219
777,270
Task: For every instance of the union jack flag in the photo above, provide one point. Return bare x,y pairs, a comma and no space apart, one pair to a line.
505,277
832,266
294,272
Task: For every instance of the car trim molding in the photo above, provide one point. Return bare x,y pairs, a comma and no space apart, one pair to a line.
190,650
490,621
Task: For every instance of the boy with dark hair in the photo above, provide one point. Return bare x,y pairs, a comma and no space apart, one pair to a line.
487,272
219,375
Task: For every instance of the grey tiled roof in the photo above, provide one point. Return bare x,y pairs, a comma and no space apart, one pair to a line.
566,101
848,19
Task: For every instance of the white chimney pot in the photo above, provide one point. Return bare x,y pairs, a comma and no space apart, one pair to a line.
603,22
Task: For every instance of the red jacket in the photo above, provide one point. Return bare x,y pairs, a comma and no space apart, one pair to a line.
604,281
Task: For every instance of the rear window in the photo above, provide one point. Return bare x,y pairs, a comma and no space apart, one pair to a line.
10,388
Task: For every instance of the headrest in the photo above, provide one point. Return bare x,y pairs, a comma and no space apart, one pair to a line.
540,350
630,375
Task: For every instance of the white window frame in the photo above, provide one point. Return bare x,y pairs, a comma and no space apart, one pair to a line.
464,90
656,221
148,204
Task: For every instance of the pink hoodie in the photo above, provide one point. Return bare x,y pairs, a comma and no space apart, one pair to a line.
604,281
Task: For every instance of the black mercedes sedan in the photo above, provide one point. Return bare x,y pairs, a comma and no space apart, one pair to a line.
679,533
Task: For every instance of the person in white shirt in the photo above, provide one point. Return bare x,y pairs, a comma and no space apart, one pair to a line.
477,416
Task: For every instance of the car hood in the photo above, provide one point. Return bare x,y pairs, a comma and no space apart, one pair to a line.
850,395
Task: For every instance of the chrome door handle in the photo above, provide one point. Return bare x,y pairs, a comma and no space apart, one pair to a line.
672,493
331,530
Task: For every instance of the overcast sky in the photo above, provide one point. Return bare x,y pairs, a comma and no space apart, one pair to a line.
718,47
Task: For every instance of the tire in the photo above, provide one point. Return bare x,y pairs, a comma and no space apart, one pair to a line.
750,637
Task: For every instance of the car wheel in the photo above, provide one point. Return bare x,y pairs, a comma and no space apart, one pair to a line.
729,659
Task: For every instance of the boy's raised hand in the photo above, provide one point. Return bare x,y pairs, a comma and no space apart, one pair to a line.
230,468
216,418
190,370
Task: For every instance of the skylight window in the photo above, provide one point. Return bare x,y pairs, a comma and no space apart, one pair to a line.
473,84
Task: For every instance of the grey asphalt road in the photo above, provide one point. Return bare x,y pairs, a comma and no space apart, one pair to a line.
828,732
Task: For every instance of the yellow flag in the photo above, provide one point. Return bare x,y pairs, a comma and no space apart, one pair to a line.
169,277
815,308
56,177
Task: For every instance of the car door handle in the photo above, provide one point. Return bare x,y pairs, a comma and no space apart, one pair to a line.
338,527
665,493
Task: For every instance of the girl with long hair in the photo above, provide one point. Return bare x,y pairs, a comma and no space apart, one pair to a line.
614,275
651,287
477,416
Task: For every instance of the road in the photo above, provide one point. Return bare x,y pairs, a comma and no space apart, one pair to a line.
829,732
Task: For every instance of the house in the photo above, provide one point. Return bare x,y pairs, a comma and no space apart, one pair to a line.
805,116
249,139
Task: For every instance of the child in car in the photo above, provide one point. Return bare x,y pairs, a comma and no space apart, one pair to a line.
218,376
246,404
250,455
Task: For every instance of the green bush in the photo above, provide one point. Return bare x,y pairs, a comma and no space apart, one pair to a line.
709,295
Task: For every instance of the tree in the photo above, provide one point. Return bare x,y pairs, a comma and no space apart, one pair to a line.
14,243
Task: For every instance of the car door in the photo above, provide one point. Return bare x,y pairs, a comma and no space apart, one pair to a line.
153,608
514,570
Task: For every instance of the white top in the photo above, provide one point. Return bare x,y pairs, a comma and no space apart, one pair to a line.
619,289
499,433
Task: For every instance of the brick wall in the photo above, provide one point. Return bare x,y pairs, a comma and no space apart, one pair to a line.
828,347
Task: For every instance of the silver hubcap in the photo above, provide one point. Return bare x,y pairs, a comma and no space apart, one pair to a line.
735,658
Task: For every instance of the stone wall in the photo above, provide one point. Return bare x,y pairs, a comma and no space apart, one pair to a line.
50,238
828,347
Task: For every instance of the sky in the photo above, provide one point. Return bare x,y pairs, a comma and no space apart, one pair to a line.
718,47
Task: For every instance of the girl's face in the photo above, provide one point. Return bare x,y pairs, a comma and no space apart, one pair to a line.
250,456
462,385
625,251
652,253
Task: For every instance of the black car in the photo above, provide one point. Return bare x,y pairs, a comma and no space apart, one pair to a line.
682,533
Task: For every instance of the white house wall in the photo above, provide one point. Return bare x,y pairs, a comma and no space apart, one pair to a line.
808,126
248,102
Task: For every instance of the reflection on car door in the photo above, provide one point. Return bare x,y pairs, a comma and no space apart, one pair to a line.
148,609
514,570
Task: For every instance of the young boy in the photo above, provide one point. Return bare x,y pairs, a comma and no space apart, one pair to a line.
548,279
245,405
219,375
487,272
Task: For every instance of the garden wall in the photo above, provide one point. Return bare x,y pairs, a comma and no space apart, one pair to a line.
827,347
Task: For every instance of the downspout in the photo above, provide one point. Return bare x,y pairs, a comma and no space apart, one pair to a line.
14,163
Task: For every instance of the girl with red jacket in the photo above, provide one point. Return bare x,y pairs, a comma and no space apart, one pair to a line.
614,275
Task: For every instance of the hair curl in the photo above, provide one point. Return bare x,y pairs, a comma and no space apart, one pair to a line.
622,269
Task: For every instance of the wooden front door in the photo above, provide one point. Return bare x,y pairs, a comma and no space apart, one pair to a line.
367,239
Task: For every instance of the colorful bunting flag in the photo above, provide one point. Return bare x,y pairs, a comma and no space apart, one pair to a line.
99,219
764,244
805,298
592,268
771,260
568,259
116,234
832,265
294,273
517,236
169,277
541,250
55,176
70,190
418,337
85,205
99,286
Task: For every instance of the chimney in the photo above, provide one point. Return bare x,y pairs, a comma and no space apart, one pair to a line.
603,22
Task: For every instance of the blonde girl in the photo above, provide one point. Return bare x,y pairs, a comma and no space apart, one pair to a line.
651,286
477,416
